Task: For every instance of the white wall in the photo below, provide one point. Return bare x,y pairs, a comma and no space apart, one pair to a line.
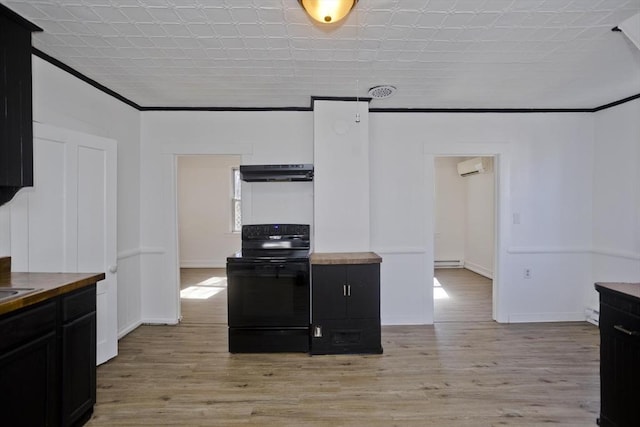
258,137
205,185
569,177
541,177
450,210
480,213
63,101
341,182
616,196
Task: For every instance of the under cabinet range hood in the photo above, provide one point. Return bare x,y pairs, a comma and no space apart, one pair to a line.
274,173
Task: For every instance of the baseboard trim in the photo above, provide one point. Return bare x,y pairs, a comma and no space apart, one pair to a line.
546,317
126,331
160,321
448,264
479,269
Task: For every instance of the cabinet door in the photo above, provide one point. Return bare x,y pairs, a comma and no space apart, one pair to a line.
619,370
78,368
16,129
329,292
364,291
28,385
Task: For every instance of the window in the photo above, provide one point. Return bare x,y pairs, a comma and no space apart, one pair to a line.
236,205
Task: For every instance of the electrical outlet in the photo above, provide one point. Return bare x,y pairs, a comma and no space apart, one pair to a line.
527,273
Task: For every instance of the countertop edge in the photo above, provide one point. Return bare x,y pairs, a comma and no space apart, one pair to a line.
625,289
65,283
340,258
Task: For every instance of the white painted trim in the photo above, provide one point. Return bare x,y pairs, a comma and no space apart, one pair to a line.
547,317
616,254
160,321
126,331
518,250
128,253
155,250
448,264
203,263
195,149
400,251
483,271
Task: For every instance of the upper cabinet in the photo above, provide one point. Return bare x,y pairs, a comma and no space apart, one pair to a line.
16,117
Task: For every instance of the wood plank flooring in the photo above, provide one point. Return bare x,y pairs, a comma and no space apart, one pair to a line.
450,374
461,295
212,310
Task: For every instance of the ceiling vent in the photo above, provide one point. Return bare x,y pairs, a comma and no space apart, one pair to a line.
382,92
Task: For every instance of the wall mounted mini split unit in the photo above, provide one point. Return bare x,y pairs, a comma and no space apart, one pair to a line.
474,166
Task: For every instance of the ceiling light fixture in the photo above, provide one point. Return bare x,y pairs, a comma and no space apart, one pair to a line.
327,11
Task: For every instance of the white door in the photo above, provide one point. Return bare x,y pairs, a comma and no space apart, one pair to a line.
67,221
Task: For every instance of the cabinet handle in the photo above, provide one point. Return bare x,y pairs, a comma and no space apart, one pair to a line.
626,331
346,290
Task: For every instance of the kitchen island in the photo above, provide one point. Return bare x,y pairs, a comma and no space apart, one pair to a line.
47,347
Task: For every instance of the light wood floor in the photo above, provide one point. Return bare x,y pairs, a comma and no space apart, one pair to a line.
454,373
212,310
461,296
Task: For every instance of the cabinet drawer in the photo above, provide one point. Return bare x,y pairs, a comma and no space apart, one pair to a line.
615,321
27,324
78,303
620,302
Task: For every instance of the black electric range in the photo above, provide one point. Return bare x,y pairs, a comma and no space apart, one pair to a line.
268,290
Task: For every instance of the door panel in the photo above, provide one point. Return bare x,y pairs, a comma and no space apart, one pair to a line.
364,299
329,296
70,213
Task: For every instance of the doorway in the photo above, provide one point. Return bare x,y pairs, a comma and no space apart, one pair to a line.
464,238
208,206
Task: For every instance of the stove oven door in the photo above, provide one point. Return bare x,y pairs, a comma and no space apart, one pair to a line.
268,294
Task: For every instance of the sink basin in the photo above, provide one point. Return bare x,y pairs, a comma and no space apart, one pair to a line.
8,293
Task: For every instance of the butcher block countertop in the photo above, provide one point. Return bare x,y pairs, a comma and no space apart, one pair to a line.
628,289
328,258
47,285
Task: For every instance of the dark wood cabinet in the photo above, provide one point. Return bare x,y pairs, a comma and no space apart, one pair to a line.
345,308
48,361
29,384
16,117
619,354
78,343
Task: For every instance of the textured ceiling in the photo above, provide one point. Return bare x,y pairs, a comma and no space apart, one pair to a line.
269,53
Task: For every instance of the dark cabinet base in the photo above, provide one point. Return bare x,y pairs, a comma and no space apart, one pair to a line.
345,309
619,355
28,385
48,362
350,337
265,340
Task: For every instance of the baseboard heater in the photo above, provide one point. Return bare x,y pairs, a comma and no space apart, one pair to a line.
448,263
592,316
